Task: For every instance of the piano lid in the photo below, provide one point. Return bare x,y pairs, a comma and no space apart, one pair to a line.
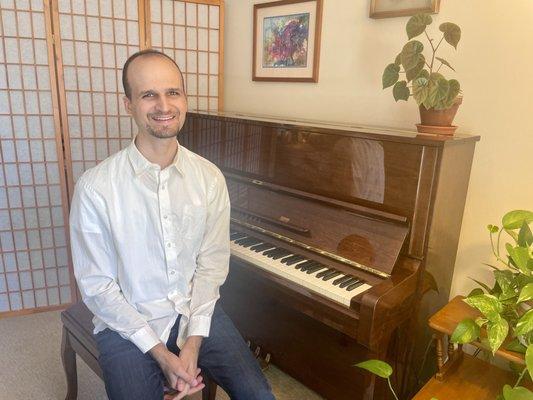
343,232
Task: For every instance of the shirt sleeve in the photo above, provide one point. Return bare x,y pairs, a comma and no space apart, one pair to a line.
95,268
212,262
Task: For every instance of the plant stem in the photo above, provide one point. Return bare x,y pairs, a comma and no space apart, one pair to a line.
519,378
498,243
391,389
433,50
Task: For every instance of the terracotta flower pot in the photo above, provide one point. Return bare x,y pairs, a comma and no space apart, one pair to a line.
438,121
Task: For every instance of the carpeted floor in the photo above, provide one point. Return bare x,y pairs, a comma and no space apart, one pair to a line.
30,365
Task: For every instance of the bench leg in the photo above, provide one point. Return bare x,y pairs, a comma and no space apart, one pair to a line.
68,356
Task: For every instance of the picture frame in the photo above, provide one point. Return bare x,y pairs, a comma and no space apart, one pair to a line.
286,41
402,8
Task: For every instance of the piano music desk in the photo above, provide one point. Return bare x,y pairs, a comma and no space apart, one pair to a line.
463,376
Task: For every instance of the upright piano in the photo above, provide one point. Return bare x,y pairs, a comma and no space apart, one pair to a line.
333,227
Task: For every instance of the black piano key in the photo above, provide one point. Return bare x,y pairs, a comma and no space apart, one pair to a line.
261,247
279,254
354,285
239,241
294,259
304,264
237,235
322,273
348,282
341,279
271,251
331,275
250,242
314,269
310,266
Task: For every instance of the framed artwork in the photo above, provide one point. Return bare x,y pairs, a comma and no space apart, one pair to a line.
401,8
287,41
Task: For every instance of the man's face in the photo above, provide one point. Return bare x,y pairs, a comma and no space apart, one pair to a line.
158,103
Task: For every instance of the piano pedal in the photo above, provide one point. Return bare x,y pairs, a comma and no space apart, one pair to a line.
264,363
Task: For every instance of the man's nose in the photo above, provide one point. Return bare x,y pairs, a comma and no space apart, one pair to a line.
163,104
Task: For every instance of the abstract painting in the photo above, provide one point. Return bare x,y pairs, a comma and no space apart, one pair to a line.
287,41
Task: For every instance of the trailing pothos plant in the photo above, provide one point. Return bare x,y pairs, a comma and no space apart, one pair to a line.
381,369
421,76
506,307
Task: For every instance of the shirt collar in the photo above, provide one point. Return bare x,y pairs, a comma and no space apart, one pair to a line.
140,164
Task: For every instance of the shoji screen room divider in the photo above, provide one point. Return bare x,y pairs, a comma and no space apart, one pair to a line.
61,112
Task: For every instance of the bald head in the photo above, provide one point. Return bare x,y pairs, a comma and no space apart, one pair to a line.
148,53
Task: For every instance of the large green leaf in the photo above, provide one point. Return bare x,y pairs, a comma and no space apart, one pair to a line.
452,33
455,88
526,293
525,237
516,393
400,91
438,90
413,72
520,257
466,331
529,360
417,25
410,54
398,59
524,324
489,306
516,346
377,367
505,279
497,332
442,60
390,75
420,89
515,219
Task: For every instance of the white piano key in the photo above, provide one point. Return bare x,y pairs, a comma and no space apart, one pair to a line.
309,281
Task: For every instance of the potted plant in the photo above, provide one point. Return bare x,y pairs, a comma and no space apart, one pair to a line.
507,306
437,97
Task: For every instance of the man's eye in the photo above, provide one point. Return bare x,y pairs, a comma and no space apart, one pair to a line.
174,93
148,95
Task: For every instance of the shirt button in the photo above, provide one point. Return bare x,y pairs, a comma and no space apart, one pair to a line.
169,244
165,216
172,272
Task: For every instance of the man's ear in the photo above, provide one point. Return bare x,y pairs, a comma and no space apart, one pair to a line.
127,104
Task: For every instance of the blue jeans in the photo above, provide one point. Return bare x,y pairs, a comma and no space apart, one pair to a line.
224,357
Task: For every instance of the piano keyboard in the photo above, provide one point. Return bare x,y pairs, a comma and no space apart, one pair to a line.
310,274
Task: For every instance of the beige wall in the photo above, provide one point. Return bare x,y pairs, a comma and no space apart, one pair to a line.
494,64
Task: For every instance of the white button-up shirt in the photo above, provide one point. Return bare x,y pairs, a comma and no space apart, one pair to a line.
150,244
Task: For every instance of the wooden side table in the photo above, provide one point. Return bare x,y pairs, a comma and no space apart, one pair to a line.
460,375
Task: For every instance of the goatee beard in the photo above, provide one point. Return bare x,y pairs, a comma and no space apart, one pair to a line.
162,134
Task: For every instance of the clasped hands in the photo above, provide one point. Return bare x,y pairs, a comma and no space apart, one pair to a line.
181,371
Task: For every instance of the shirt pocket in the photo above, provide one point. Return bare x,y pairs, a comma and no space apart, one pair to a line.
193,224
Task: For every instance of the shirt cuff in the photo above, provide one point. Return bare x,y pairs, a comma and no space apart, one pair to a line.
199,326
145,339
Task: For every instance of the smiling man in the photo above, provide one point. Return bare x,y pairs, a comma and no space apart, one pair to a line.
150,244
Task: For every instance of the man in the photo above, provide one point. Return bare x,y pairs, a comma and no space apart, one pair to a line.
150,244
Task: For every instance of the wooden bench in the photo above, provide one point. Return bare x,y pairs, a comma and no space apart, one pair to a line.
78,339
